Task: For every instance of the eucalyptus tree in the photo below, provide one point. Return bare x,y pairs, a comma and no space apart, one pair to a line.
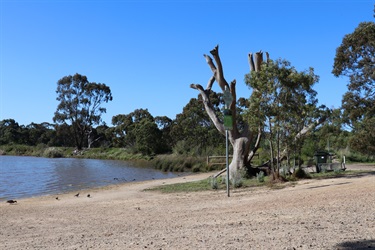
81,106
164,124
10,132
284,103
193,132
355,58
246,134
139,132
41,133
63,136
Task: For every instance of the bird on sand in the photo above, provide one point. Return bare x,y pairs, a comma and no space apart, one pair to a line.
76,195
88,196
57,198
11,201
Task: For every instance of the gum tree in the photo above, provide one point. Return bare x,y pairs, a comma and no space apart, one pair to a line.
355,58
246,134
283,104
244,140
81,106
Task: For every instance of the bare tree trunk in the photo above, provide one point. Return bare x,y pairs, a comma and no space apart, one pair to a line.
241,141
242,153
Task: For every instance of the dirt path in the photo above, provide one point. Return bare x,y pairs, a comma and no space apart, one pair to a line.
314,214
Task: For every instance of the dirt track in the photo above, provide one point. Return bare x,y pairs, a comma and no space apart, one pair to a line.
314,214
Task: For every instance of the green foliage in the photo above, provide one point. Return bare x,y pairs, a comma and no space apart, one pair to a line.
193,133
363,139
358,157
80,105
139,132
355,59
196,186
214,183
20,149
12,133
301,174
53,153
203,185
238,179
283,103
260,177
41,150
219,183
179,163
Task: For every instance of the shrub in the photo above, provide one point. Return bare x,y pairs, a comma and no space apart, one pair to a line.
197,167
260,176
237,179
187,163
301,174
53,153
337,169
213,182
180,163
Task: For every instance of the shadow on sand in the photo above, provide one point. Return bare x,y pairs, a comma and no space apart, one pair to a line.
357,245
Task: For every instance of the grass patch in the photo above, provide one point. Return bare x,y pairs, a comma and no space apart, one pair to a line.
205,185
70,152
202,185
338,174
179,163
219,184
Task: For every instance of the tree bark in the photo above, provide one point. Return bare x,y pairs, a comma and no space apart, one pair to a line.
241,142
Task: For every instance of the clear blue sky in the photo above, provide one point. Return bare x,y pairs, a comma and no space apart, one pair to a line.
149,52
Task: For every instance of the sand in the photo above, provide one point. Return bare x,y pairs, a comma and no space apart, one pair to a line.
334,213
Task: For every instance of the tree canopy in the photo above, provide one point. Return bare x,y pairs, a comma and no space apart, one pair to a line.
355,59
283,103
80,105
139,132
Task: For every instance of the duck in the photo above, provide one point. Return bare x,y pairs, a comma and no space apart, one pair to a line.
11,201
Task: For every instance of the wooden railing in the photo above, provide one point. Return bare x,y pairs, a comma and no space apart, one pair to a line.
221,160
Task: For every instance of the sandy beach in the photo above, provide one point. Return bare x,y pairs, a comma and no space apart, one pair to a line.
334,213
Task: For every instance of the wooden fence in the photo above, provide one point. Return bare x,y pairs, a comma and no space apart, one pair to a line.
217,160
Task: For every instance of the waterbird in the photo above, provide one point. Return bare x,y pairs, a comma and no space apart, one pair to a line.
11,201
57,198
76,195
88,196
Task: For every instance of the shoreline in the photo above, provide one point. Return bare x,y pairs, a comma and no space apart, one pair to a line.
119,187
27,176
158,182
311,214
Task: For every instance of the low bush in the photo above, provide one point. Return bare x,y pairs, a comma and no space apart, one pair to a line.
179,163
53,153
260,177
301,174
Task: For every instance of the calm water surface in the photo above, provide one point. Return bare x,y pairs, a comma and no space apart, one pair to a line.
23,176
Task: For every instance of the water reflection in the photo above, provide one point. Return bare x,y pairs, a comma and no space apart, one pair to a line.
22,177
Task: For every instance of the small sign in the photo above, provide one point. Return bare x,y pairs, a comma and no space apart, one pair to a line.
227,96
228,121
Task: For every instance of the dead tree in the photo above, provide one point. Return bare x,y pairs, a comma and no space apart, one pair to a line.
241,141
246,142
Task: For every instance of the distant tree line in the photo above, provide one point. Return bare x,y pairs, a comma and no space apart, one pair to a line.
139,132
191,133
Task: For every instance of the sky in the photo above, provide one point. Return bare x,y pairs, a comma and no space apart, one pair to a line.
149,52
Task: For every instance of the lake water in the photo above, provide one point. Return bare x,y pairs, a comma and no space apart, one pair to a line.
23,176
